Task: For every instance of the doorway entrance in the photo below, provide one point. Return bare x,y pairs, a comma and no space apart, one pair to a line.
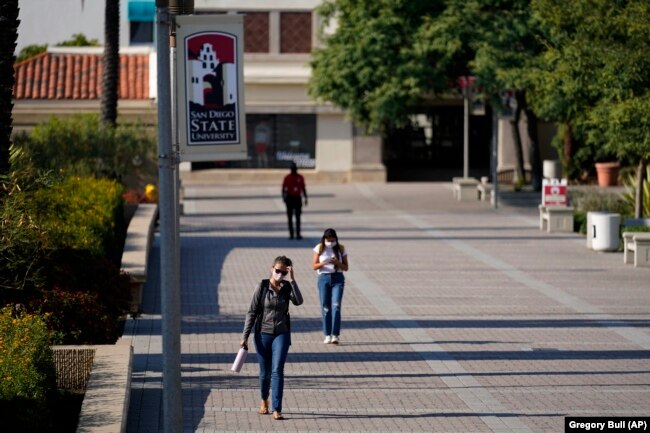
431,147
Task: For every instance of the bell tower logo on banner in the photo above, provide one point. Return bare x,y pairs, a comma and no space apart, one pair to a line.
210,88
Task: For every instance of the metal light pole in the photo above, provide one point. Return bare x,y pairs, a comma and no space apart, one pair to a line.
495,158
172,404
465,135
169,267
466,82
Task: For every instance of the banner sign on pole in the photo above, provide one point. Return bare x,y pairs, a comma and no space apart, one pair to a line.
210,87
554,192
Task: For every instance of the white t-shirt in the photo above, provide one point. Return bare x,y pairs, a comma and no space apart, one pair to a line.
328,253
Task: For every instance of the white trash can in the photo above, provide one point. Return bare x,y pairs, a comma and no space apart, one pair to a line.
590,229
605,230
552,169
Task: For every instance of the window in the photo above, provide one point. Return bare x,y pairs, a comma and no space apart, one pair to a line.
141,14
273,32
295,32
141,32
295,139
256,32
274,141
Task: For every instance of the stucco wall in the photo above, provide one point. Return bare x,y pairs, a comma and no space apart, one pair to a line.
333,143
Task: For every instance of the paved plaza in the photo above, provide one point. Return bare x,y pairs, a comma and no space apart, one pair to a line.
456,317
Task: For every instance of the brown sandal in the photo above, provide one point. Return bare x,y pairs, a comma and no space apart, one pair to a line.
277,416
264,408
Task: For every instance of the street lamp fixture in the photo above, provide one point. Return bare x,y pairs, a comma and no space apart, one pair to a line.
466,83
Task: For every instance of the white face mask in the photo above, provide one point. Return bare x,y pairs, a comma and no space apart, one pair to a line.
330,243
278,277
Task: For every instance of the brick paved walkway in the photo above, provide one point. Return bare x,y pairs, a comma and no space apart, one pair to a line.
456,318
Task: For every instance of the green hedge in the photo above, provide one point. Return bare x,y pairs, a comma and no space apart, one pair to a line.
27,376
83,214
595,199
84,298
635,229
22,242
82,146
61,254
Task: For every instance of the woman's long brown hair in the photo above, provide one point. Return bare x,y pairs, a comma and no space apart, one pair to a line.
331,233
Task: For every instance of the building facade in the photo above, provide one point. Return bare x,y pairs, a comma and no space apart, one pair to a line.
283,123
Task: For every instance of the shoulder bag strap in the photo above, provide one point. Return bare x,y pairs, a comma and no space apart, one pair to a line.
264,287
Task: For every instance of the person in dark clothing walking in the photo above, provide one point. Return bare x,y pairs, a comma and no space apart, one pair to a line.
268,315
293,188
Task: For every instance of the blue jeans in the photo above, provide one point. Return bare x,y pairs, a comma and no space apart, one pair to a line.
272,353
331,288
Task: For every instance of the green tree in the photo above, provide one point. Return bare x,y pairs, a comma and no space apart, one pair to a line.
30,51
79,40
499,36
369,66
111,62
388,57
8,36
595,75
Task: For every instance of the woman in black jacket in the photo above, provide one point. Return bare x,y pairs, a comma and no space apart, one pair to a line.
269,313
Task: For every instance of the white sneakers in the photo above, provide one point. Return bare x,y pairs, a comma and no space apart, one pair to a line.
328,339
331,339
335,339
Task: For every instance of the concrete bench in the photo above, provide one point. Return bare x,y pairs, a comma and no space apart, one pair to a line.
556,218
636,249
484,190
464,188
636,222
135,256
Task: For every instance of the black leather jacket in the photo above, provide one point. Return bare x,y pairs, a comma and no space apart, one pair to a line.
274,310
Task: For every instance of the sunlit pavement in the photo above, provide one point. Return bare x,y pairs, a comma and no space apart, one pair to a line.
456,317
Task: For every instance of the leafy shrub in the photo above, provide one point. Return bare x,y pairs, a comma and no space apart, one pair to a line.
60,248
21,241
83,213
87,295
76,317
635,229
595,199
82,146
21,236
580,222
27,377
73,317
629,180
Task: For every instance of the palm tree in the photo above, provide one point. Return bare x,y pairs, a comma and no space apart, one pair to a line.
111,62
8,36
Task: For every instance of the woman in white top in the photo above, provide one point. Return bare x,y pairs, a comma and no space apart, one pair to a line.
330,260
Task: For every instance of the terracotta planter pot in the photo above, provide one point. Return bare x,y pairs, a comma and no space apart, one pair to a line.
607,173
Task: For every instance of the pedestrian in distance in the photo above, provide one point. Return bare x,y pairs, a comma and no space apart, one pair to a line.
329,261
293,188
269,315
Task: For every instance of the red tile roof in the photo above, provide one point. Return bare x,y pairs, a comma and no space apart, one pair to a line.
78,76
